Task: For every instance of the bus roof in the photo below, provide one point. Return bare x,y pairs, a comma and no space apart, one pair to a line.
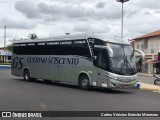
75,37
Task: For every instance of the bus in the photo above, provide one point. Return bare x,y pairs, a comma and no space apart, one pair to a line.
87,60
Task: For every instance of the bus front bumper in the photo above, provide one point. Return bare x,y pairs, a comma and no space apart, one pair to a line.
118,84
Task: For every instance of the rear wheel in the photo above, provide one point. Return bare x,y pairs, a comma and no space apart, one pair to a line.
26,76
157,81
47,81
84,82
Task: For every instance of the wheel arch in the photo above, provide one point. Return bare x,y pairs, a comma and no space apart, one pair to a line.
27,68
84,73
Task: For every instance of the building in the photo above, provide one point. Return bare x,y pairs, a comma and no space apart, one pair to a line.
5,55
150,45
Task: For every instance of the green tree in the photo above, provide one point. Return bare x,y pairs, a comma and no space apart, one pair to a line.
32,36
9,47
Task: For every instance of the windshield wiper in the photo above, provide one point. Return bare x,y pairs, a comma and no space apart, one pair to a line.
126,64
122,67
129,66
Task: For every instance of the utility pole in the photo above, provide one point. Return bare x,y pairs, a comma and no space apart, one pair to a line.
122,1
4,44
5,38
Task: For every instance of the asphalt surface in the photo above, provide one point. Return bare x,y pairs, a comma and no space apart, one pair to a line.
19,95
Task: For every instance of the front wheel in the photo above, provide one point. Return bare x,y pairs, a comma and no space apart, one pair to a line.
47,81
26,75
84,82
157,81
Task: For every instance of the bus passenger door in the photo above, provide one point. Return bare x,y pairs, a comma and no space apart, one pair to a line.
102,66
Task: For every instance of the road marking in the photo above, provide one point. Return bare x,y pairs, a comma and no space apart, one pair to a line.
157,91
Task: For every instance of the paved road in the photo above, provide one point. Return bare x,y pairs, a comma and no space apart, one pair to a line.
17,95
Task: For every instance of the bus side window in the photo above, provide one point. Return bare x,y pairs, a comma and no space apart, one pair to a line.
101,60
15,49
81,49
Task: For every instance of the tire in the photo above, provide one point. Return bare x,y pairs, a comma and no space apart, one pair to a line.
26,76
47,81
157,81
84,82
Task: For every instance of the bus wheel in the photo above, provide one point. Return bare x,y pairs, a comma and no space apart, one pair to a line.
84,82
47,81
157,82
26,75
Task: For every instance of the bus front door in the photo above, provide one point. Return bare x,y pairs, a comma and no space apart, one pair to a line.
102,66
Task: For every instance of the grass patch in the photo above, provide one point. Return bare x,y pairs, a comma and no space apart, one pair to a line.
5,63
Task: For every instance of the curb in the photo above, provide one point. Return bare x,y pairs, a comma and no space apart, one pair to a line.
5,66
145,86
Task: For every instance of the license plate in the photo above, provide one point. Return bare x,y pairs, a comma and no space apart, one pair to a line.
125,86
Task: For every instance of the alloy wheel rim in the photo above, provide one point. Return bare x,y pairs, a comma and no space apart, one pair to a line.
84,82
26,76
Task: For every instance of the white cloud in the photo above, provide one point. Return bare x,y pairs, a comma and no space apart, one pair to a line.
52,17
90,28
65,10
150,4
100,5
17,23
27,8
142,25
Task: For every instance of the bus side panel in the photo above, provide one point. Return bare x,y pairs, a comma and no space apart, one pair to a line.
85,66
43,67
34,64
53,71
64,70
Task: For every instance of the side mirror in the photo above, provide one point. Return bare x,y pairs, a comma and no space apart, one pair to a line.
110,51
141,52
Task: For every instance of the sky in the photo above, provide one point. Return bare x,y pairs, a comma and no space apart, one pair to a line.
48,18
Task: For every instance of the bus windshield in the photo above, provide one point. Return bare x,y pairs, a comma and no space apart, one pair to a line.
122,61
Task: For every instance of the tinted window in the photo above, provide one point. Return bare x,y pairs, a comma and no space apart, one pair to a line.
94,41
76,47
102,59
80,47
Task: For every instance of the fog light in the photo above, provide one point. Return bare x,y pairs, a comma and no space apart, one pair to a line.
112,84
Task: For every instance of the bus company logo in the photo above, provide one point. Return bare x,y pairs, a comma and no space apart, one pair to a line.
53,60
17,63
6,114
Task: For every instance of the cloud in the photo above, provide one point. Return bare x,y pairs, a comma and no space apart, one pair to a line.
100,5
17,23
67,11
64,10
27,8
150,4
91,28
142,25
92,16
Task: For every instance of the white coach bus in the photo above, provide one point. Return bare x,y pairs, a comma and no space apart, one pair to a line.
85,60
